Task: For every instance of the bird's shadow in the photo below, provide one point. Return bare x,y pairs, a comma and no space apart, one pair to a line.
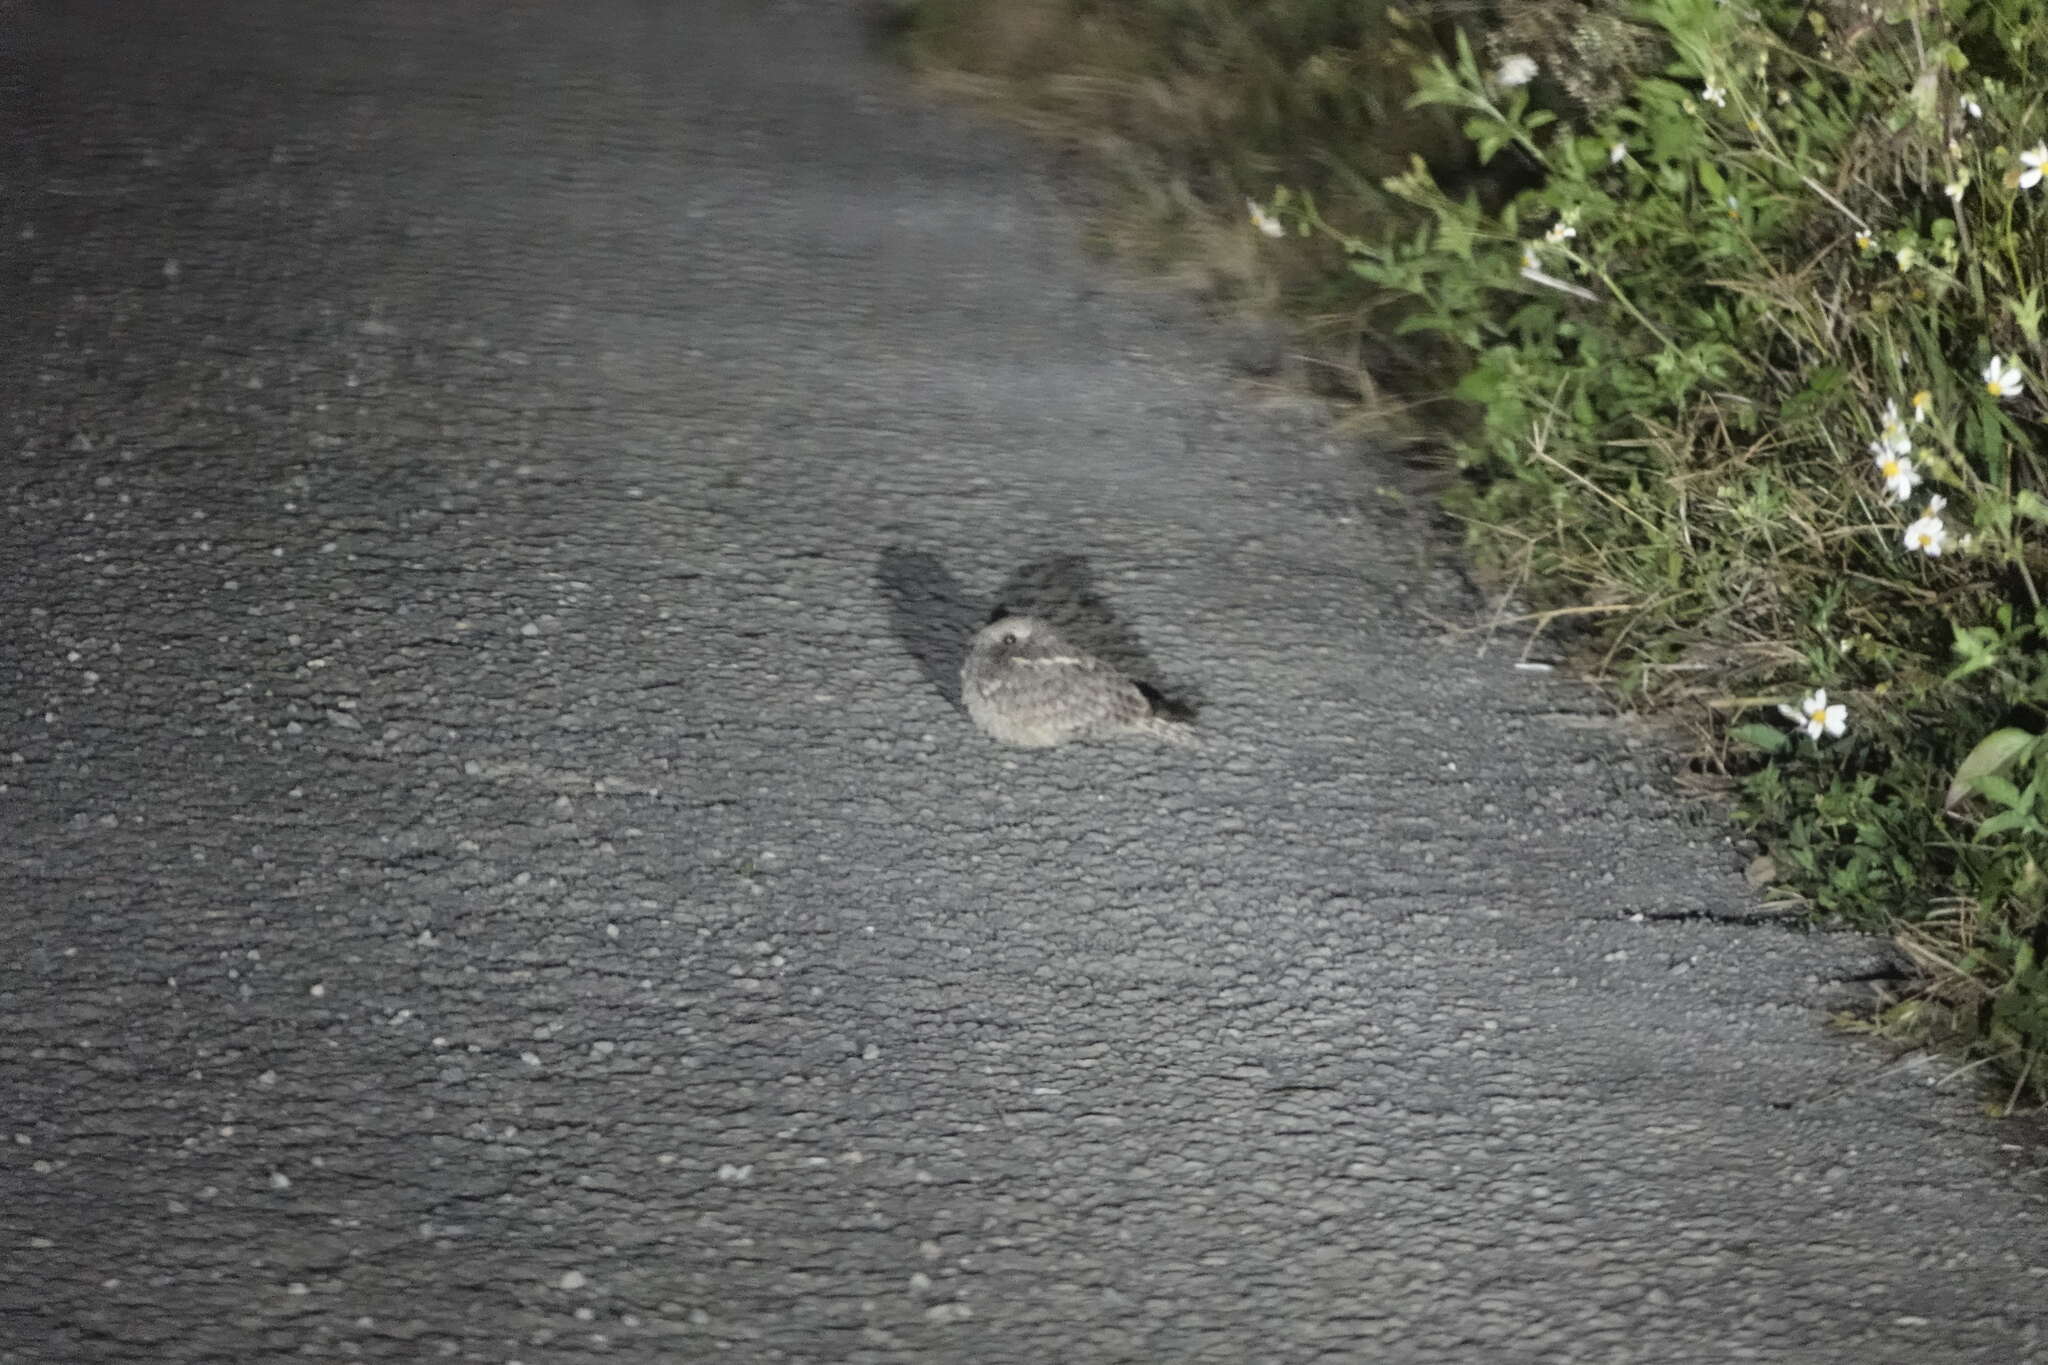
931,613
935,616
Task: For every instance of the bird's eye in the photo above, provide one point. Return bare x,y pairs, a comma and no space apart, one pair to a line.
1009,637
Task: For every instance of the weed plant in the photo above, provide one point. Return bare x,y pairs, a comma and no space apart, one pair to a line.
1759,367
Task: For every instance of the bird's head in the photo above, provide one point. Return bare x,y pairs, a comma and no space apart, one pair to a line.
1007,634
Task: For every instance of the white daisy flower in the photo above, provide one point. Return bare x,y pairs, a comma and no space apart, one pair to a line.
1929,536
1617,154
2002,380
1715,96
1889,428
1816,717
1895,467
2027,174
1560,232
1517,69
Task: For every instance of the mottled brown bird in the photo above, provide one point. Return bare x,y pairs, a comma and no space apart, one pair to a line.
1025,684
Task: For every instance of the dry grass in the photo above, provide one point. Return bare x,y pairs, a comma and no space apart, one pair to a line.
1186,108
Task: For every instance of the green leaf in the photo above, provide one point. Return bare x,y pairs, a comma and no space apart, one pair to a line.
2009,820
1994,753
1769,738
2001,791
1456,238
1480,386
1978,646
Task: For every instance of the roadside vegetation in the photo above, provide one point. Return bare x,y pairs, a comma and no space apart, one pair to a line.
1729,316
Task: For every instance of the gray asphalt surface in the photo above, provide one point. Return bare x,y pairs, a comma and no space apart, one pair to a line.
493,871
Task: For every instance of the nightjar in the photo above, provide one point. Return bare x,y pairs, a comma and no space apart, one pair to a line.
1025,684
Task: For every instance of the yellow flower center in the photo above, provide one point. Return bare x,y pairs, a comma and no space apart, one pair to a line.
1890,468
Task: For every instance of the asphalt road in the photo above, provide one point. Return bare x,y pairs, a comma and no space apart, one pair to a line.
492,870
